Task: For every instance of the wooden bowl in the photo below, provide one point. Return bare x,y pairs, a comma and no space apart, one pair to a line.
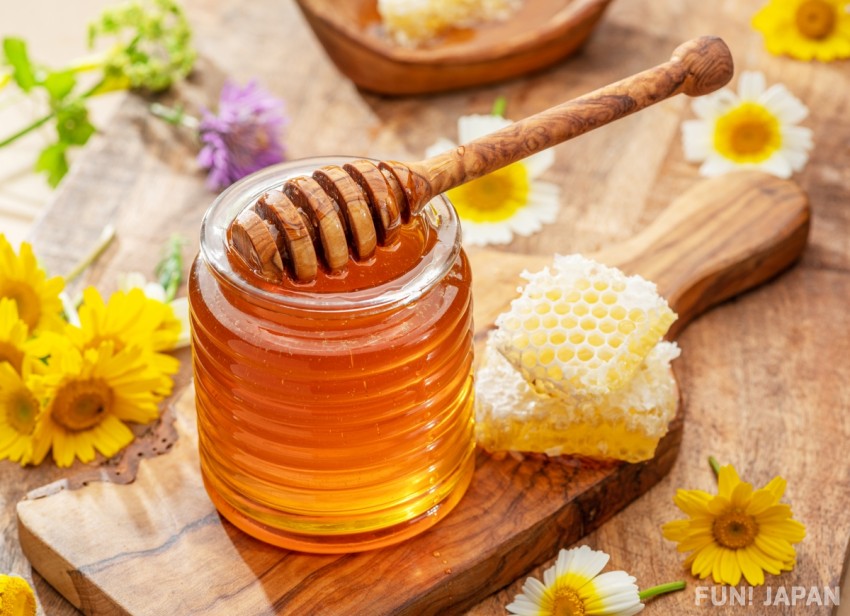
539,34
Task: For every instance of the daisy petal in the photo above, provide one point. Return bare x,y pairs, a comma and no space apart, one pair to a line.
751,85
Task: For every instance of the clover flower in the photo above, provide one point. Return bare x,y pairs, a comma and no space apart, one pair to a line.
243,136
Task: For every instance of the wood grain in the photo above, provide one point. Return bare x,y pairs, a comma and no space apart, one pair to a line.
763,377
515,513
696,68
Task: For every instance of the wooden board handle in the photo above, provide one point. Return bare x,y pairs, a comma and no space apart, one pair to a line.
697,67
716,240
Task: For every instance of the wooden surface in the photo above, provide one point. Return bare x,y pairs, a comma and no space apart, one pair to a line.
764,378
540,33
717,239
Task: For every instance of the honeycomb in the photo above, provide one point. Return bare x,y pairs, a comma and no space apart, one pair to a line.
626,424
411,22
581,329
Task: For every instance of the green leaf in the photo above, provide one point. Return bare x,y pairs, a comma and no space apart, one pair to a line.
169,270
15,51
499,107
73,125
53,162
59,84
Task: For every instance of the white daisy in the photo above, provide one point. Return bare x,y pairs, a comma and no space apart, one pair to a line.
573,586
506,202
757,128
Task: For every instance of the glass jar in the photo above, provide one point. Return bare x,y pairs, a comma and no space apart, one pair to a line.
334,419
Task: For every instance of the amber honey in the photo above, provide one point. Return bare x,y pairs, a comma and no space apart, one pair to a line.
334,416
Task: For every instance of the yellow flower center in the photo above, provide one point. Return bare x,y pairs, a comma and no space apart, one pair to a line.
21,411
29,307
749,133
16,596
117,344
494,197
11,354
80,405
816,19
735,530
567,603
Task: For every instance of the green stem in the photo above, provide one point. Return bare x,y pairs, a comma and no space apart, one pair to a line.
87,63
499,107
27,129
714,464
174,115
106,237
661,589
43,120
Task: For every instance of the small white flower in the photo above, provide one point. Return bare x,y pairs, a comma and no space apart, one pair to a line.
506,202
755,128
153,290
573,585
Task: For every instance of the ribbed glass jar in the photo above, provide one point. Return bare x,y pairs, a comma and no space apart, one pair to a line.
333,421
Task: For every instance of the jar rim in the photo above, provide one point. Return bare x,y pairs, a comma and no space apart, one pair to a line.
224,209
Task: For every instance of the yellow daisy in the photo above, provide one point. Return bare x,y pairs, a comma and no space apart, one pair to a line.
91,394
755,128
20,413
16,596
36,296
129,318
738,531
154,290
806,29
573,586
510,201
13,335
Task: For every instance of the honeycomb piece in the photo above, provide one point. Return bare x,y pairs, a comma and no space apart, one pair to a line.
411,22
626,424
580,328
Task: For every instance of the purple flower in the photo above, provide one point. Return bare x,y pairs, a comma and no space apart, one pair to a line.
243,137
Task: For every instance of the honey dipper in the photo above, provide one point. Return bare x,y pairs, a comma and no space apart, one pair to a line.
320,218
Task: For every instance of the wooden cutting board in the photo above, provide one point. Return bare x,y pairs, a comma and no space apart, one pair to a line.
157,546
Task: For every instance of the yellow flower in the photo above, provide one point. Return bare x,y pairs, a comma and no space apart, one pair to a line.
509,201
13,335
20,413
755,128
574,586
806,29
91,394
16,597
36,296
129,319
738,531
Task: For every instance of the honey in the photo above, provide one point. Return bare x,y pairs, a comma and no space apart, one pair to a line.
334,416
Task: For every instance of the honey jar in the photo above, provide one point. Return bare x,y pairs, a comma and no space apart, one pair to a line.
334,416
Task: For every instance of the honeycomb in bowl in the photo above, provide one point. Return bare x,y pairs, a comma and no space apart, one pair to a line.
412,22
580,327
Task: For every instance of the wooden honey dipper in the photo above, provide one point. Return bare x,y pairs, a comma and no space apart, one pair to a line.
361,204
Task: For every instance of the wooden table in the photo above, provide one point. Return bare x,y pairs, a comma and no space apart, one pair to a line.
765,377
